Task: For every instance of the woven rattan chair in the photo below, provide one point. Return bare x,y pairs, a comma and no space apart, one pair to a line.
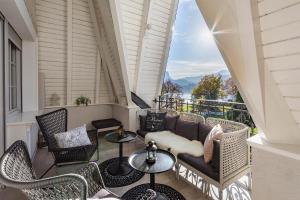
56,122
17,172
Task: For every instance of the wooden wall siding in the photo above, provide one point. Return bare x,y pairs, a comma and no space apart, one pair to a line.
156,41
52,28
84,52
51,21
280,31
132,14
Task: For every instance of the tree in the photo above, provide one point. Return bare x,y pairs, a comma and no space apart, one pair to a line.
171,88
230,88
209,87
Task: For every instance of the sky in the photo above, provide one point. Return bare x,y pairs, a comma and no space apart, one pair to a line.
193,51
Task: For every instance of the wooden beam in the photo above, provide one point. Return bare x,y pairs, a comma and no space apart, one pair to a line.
98,77
119,35
165,57
142,42
69,51
103,53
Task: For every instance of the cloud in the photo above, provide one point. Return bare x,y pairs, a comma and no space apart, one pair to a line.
180,68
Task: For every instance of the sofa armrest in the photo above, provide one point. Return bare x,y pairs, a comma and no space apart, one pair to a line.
234,152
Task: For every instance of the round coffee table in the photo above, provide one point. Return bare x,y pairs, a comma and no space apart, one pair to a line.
120,168
165,161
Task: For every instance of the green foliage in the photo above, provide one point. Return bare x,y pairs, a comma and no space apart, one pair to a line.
209,87
171,88
82,100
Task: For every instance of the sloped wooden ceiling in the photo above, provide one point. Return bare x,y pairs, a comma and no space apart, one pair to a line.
260,47
69,62
145,31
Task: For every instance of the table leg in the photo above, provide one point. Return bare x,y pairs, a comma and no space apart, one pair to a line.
152,181
120,155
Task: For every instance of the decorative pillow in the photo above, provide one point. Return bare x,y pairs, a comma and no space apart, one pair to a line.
73,138
214,134
187,129
155,121
203,131
170,122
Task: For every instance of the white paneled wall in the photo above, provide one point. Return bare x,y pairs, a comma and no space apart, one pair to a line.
81,74
280,28
51,27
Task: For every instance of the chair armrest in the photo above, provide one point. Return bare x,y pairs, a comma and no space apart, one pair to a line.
234,152
93,135
68,186
92,175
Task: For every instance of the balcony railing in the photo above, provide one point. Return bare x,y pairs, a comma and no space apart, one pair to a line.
208,108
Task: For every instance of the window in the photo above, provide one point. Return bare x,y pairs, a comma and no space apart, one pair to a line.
14,77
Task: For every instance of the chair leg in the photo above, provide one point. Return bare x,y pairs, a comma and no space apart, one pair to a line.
47,171
220,194
249,181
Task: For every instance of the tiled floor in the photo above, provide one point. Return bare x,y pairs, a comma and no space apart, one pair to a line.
108,150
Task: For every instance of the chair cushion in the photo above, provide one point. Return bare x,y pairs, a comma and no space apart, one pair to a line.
155,121
187,129
170,122
73,138
203,131
106,123
199,164
104,194
215,161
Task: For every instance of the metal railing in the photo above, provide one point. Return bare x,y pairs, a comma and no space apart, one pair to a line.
208,108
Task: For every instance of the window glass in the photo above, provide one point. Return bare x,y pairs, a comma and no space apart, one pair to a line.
13,77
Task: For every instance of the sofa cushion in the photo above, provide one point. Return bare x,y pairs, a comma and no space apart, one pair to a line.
142,119
215,161
155,121
203,131
170,122
187,129
141,133
199,164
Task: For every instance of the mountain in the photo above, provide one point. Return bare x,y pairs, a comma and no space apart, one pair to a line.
188,83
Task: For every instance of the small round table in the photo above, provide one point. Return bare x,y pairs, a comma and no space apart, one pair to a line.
165,161
122,167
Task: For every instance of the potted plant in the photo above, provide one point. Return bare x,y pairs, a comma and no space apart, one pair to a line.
82,100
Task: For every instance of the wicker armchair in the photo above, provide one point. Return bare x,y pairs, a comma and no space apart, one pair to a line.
17,172
56,122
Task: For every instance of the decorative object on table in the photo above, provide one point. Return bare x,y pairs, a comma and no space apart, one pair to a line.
151,152
55,122
121,132
155,121
117,172
85,183
82,100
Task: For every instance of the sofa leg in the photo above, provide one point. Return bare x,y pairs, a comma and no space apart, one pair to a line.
177,170
220,194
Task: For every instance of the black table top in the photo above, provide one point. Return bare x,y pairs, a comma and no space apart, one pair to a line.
165,161
115,138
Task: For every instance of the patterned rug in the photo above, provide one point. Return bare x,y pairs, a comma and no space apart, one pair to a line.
166,192
118,181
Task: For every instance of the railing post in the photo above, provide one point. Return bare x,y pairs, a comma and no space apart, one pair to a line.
223,112
187,106
176,104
